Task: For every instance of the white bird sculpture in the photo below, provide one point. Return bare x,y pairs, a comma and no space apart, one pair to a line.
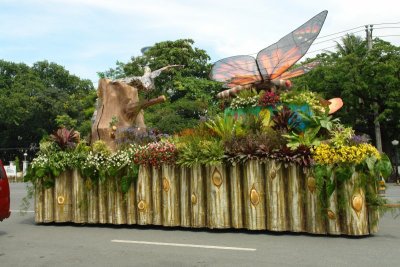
145,82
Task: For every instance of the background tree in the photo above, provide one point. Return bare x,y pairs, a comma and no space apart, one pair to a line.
35,100
361,78
190,93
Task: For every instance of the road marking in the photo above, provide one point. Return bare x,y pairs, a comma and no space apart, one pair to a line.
181,245
28,211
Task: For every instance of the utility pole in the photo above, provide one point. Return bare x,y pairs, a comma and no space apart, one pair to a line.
378,136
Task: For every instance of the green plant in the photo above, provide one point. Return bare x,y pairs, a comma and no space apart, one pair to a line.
307,138
341,135
285,120
226,127
301,97
114,121
245,98
200,151
253,145
323,120
100,147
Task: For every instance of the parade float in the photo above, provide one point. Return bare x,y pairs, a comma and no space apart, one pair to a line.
274,160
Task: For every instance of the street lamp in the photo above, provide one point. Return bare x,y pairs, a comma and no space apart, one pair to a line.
395,143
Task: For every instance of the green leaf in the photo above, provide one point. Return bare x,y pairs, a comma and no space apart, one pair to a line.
125,184
320,171
371,163
330,188
54,171
343,173
384,166
40,172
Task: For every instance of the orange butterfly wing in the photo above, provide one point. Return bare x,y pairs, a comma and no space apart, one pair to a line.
236,70
274,60
299,71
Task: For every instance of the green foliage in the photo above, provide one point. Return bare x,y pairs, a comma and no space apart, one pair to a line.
100,147
198,146
307,138
384,167
285,120
200,151
253,145
65,121
341,135
322,121
35,99
301,97
226,127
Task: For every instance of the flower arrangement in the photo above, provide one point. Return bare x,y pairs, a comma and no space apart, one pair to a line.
241,102
155,153
329,154
304,97
268,98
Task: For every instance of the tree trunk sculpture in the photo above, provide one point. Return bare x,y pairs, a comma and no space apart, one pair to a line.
118,102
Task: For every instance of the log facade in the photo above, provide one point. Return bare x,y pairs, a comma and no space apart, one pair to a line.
253,195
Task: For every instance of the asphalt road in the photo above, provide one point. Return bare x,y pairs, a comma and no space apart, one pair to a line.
23,243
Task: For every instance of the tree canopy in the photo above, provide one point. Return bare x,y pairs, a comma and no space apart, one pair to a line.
365,80
35,100
190,93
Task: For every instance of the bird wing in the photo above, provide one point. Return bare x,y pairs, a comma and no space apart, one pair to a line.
156,73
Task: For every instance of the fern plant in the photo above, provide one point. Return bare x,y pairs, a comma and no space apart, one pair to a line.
226,127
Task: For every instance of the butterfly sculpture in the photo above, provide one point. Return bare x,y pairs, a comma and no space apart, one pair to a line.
269,69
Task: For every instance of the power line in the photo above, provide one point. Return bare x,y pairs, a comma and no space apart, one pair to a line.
385,23
337,37
339,32
390,35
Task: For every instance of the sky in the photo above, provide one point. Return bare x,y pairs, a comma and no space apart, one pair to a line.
88,36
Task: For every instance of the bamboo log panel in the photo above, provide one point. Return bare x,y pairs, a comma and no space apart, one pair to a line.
197,197
356,213
119,211
277,219
79,203
92,201
333,214
63,197
373,212
39,202
131,205
315,222
295,199
103,202
156,194
218,214
236,192
110,195
184,196
48,205
170,196
254,198
143,196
